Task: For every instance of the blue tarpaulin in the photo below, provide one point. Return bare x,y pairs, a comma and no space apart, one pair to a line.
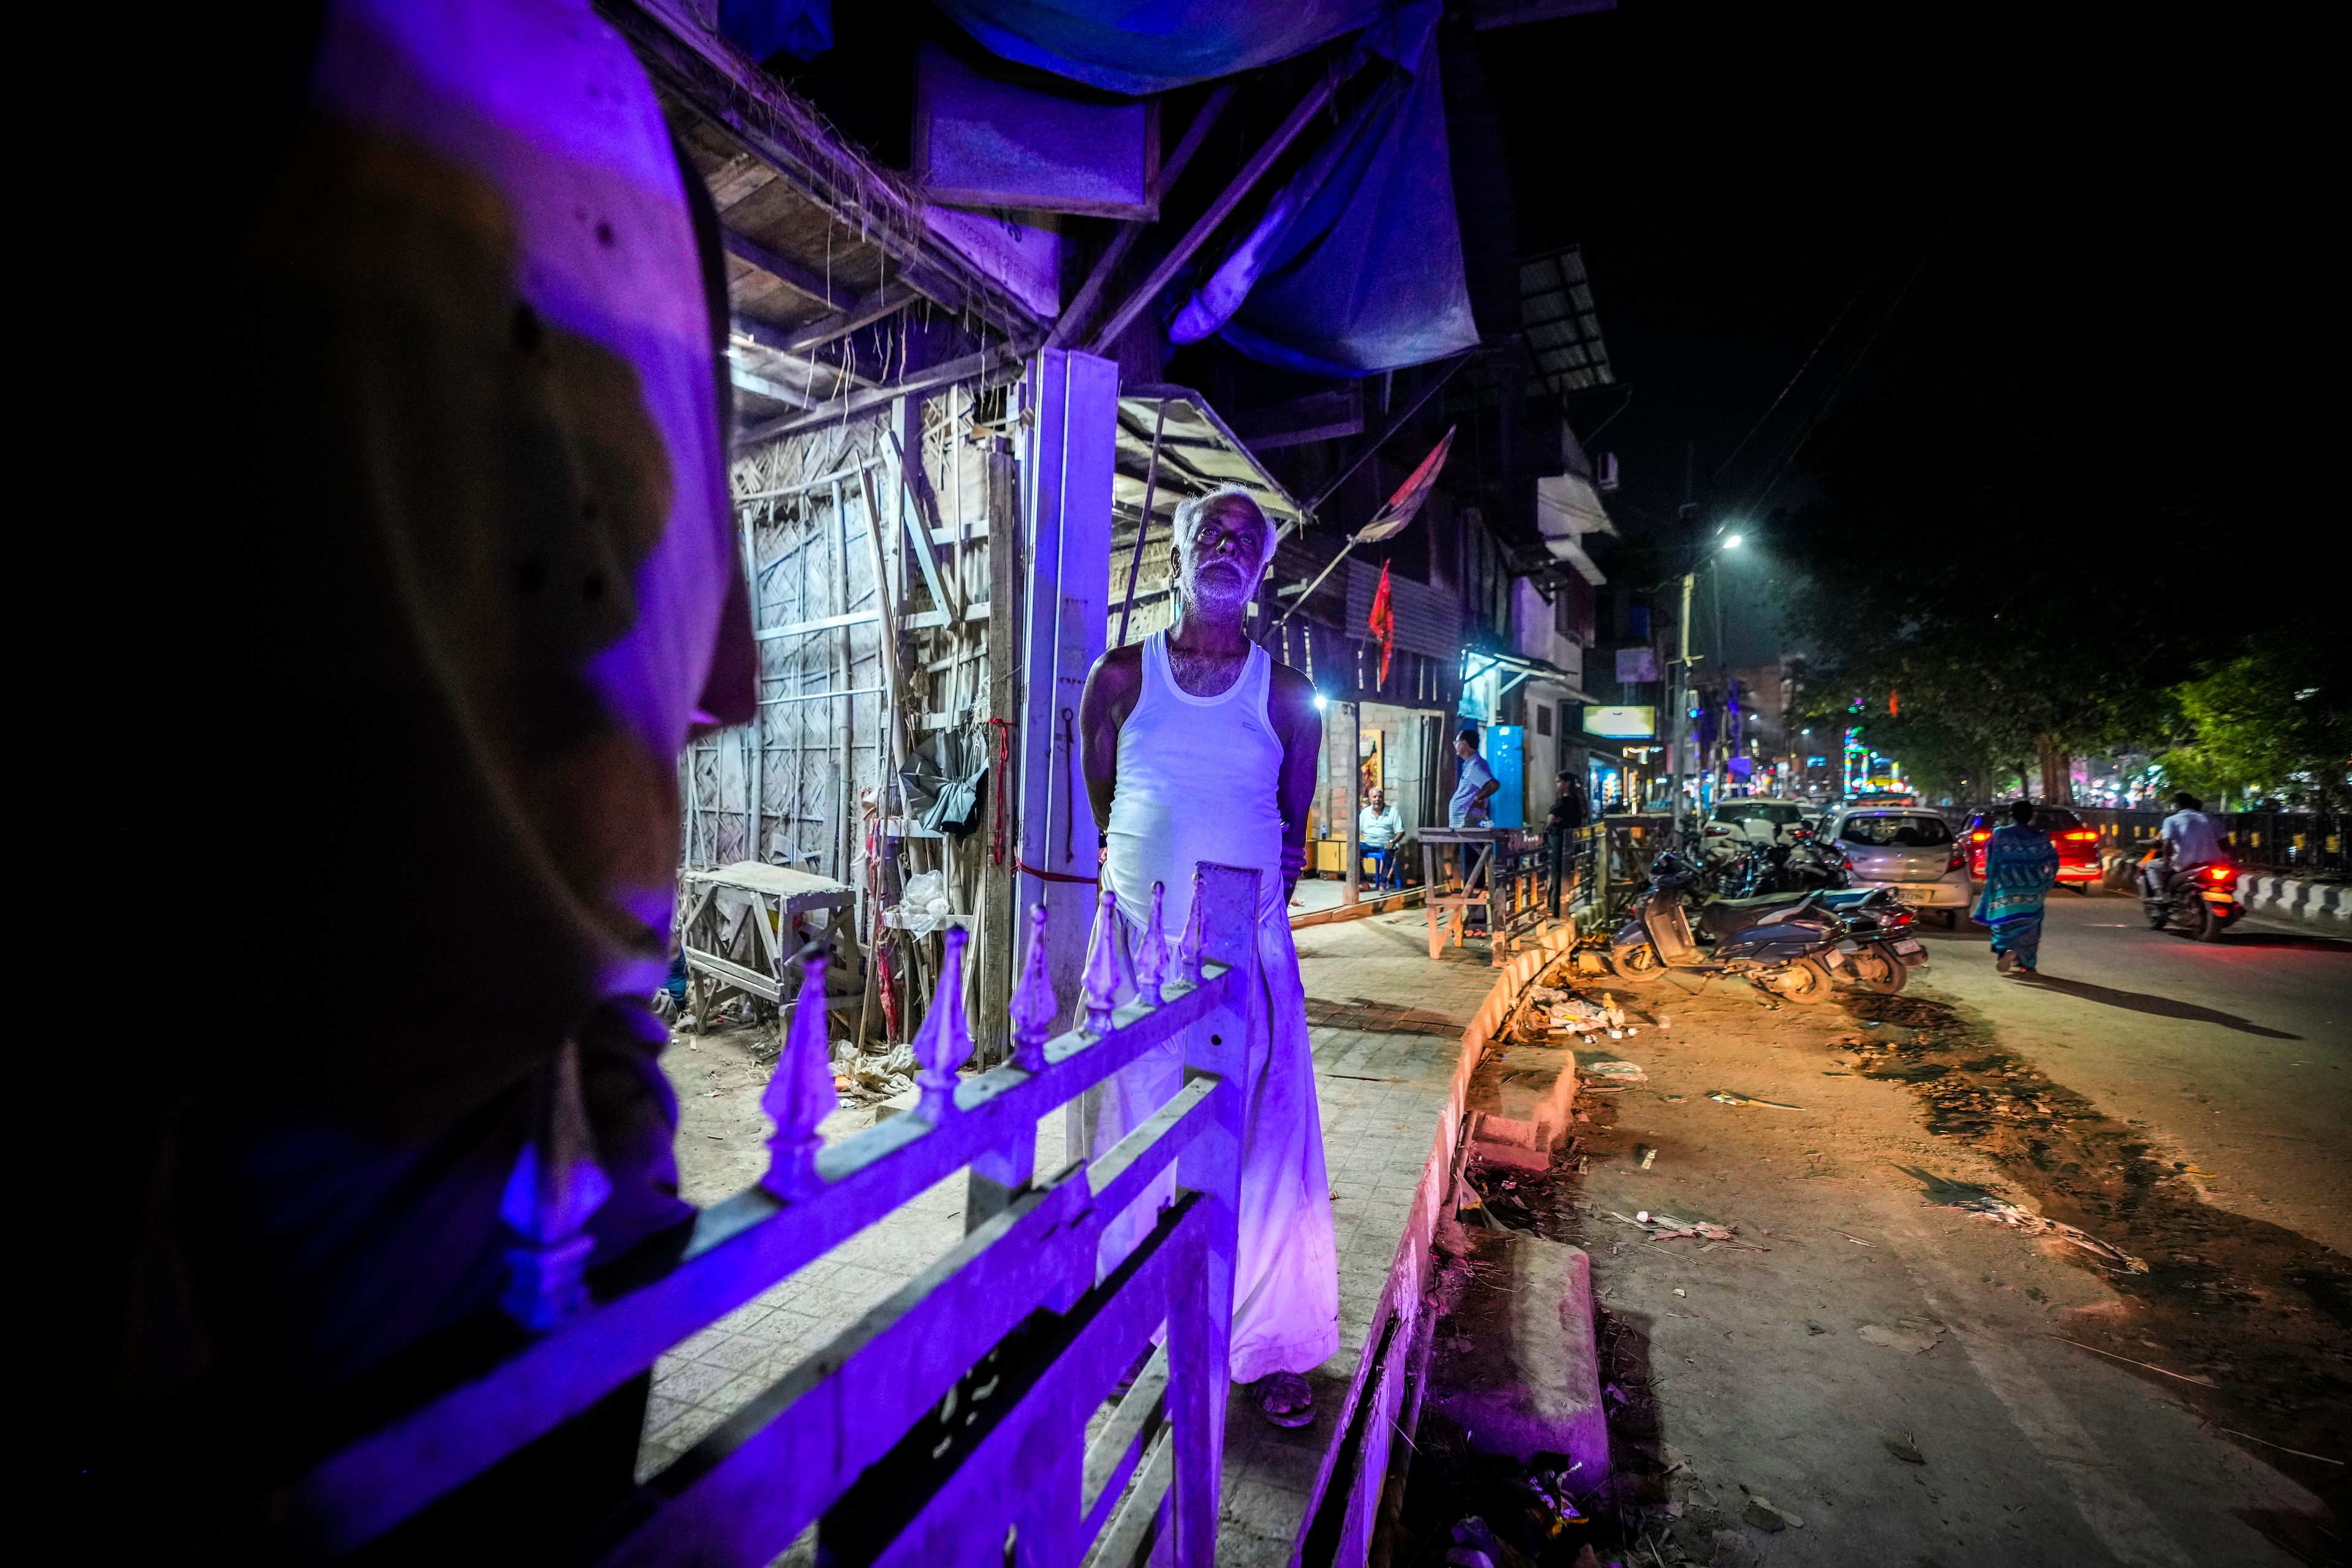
1356,266
1150,45
763,27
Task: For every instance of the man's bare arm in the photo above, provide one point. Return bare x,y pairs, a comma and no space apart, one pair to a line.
1112,686
1291,705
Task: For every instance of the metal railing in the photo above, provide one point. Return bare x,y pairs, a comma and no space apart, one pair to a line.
855,1439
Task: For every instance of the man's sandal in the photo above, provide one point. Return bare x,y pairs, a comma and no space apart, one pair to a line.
1283,1398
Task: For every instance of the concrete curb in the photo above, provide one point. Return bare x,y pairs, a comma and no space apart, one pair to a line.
2294,898
2264,893
1388,1371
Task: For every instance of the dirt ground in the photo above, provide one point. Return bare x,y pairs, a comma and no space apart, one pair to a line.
1874,1370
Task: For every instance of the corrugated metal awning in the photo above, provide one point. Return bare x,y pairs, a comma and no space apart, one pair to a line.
1197,454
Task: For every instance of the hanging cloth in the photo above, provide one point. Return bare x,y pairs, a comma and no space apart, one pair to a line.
1356,266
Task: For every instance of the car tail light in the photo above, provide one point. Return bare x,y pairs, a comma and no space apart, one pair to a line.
1718,830
2082,837
1957,859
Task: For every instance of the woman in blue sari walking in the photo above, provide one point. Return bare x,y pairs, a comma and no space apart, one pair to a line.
2021,866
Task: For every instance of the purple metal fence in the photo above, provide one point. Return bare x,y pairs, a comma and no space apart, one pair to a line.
957,1411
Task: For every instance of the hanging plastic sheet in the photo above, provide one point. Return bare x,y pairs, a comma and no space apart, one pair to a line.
1356,267
1125,46
802,29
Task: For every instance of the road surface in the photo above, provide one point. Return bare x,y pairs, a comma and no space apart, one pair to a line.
2164,1377
2233,1057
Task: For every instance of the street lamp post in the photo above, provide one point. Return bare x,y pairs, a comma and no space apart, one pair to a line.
1678,759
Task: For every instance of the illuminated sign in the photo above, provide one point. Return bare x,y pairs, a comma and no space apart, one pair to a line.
1621,723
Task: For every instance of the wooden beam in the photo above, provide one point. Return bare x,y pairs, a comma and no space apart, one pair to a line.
1220,209
1080,308
785,270
775,340
765,119
774,390
886,300
967,368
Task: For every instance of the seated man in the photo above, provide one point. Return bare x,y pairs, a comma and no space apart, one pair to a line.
1199,747
2188,838
1378,827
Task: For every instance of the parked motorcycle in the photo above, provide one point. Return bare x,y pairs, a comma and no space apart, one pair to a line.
1797,867
2201,900
1794,946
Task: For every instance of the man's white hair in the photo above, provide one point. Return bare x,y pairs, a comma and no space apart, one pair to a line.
1189,514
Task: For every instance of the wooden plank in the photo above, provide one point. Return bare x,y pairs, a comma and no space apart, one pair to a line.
999,924
821,624
970,367
785,269
925,520
759,114
734,973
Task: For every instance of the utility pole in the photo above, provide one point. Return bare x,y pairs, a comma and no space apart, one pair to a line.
1678,752
1355,801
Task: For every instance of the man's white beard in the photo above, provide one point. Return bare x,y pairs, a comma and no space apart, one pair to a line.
1221,589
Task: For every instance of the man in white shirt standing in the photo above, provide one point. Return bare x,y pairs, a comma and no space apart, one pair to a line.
1474,785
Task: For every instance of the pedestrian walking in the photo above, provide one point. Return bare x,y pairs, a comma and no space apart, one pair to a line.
2020,867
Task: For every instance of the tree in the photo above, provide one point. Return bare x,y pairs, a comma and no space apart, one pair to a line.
2274,720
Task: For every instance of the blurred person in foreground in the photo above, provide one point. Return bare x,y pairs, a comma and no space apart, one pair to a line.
462,334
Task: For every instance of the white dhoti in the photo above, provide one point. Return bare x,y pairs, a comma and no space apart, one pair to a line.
1196,783
1286,1260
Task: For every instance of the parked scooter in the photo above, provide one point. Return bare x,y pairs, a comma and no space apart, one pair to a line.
1795,947
2201,900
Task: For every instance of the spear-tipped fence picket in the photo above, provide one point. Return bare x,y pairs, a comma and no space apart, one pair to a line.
955,1412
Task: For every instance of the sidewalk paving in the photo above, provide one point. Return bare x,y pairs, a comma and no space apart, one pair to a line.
1387,1028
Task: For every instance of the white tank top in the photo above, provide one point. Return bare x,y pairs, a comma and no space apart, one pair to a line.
1197,781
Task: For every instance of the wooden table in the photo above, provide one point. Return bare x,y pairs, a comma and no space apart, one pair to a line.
1499,882
775,902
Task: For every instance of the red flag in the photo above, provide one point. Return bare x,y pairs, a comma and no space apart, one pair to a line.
1381,623
1406,503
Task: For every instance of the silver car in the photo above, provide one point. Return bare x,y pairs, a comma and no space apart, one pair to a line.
1912,852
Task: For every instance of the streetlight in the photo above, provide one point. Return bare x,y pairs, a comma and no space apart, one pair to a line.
1683,693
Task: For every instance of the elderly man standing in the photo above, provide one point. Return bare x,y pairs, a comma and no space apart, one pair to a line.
1199,747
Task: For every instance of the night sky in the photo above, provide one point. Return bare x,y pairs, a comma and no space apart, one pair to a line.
2070,260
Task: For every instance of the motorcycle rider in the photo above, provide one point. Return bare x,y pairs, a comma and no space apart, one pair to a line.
2188,839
